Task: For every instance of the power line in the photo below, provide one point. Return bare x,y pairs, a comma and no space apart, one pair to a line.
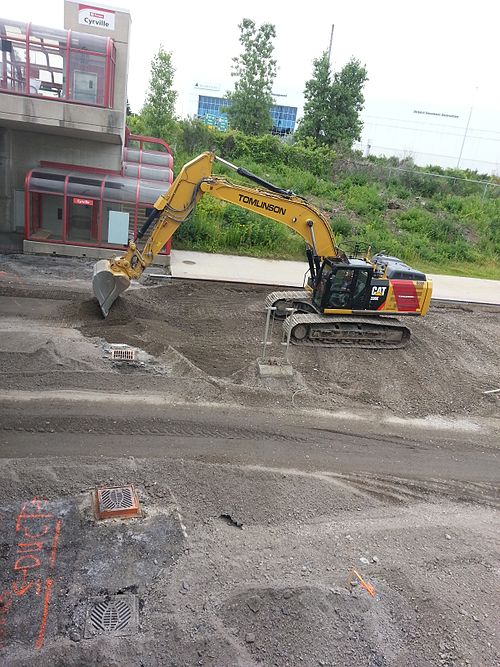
416,129
412,152
420,123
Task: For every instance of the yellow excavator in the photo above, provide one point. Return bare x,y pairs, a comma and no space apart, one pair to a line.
347,300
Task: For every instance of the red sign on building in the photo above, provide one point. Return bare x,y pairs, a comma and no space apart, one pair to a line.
96,17
83,202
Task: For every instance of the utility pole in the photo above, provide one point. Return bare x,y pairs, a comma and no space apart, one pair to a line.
466,128
331,42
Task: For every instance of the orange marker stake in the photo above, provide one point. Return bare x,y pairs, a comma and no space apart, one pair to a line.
363,583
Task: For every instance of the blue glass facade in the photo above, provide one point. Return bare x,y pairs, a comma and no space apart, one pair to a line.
209,110
283,119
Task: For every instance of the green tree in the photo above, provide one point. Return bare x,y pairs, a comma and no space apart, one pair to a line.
347,102
158,112
135,122
255,70
136,125
332,108
317,94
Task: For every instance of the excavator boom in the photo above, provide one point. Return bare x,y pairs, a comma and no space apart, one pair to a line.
112,277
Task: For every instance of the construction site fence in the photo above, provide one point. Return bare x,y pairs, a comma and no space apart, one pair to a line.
423,183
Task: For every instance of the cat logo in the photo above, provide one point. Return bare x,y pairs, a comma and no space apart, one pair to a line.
378,290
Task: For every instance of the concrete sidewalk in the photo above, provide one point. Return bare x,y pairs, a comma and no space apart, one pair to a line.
200,265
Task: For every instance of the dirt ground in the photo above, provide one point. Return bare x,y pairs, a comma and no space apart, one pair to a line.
259,496
216,330
219,328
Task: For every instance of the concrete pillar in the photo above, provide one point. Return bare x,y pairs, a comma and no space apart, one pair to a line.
6,217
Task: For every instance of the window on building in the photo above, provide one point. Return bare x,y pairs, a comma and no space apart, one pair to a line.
40,61
210,110
284,119
46,216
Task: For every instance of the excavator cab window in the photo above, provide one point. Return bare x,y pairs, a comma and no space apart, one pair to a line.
361,290
342,287
322,286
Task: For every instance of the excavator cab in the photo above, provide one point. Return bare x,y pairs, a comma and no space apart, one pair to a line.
343,286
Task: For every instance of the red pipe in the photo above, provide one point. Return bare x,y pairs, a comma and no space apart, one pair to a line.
107,74
65,209
78,167
27,87
99,237
66,65
137,190
27,204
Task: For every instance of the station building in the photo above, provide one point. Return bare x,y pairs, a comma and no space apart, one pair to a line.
72,177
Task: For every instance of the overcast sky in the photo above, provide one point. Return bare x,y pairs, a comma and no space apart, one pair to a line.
430,53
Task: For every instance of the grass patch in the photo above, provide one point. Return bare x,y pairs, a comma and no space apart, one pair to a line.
224,228
491,271
436,225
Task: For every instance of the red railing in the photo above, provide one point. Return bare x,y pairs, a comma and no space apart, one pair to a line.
141,139
20,67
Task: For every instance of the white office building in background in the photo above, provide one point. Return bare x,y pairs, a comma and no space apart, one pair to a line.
432,134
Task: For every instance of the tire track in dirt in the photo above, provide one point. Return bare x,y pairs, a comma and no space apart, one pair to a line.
128,427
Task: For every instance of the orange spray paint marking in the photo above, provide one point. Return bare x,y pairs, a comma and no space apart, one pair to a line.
39,533
27,562
22,516
55,541
20,588
43,532
26,547
45,613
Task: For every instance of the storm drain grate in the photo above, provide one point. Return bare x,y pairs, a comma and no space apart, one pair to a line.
123,354
116,614
117,502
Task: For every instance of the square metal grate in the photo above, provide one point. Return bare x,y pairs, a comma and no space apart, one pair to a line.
117,502
123,354
112,615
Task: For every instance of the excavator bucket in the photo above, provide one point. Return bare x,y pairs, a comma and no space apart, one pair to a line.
108,285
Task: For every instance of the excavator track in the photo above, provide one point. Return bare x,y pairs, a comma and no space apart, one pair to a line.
298,299
347,331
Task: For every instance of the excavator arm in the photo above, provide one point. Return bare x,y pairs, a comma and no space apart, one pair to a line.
112,277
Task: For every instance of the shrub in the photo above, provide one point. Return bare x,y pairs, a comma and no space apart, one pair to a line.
341,225
364,200
425,224
420,184
242,229
195,137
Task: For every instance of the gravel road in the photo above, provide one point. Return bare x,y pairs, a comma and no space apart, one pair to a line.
259,497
